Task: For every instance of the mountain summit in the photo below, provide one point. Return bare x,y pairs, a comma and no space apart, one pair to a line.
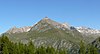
50,33
46,23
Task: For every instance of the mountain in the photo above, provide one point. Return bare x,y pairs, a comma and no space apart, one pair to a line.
47,23
51,33
96,43
89,33
19,30
48,33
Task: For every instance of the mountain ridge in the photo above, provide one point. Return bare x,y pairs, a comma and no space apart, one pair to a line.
50,33
47,20
47,24
81,29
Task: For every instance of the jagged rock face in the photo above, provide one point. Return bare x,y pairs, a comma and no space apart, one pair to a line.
96,43
46,24
19,30
66,25
88,33
86,30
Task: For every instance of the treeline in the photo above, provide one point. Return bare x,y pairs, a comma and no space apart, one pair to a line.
8,47
88,49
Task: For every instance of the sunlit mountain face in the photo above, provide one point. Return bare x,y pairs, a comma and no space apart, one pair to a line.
51,33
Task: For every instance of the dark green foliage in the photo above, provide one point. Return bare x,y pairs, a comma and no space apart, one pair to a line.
41,50
62,51
31,48
88,49
82,48
5,50
92,50
50,50
8,47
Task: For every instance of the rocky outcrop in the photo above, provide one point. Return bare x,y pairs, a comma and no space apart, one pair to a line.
19,30
86,30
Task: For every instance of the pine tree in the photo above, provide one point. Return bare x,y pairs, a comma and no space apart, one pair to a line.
82,48
40,50
95,50
31,48
14,48
5,50
92,50
26,51
62,51
50,50
4,43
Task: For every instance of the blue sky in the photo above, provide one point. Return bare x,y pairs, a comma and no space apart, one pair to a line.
27,12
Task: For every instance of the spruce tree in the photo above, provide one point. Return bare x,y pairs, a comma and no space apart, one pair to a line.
82,48
62,51
31,48
5,50
50,50
92,50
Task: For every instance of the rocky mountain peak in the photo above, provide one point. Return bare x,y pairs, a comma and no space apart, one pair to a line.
46,23
43,25
45,18
86,30
19,30
83,27
66,25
